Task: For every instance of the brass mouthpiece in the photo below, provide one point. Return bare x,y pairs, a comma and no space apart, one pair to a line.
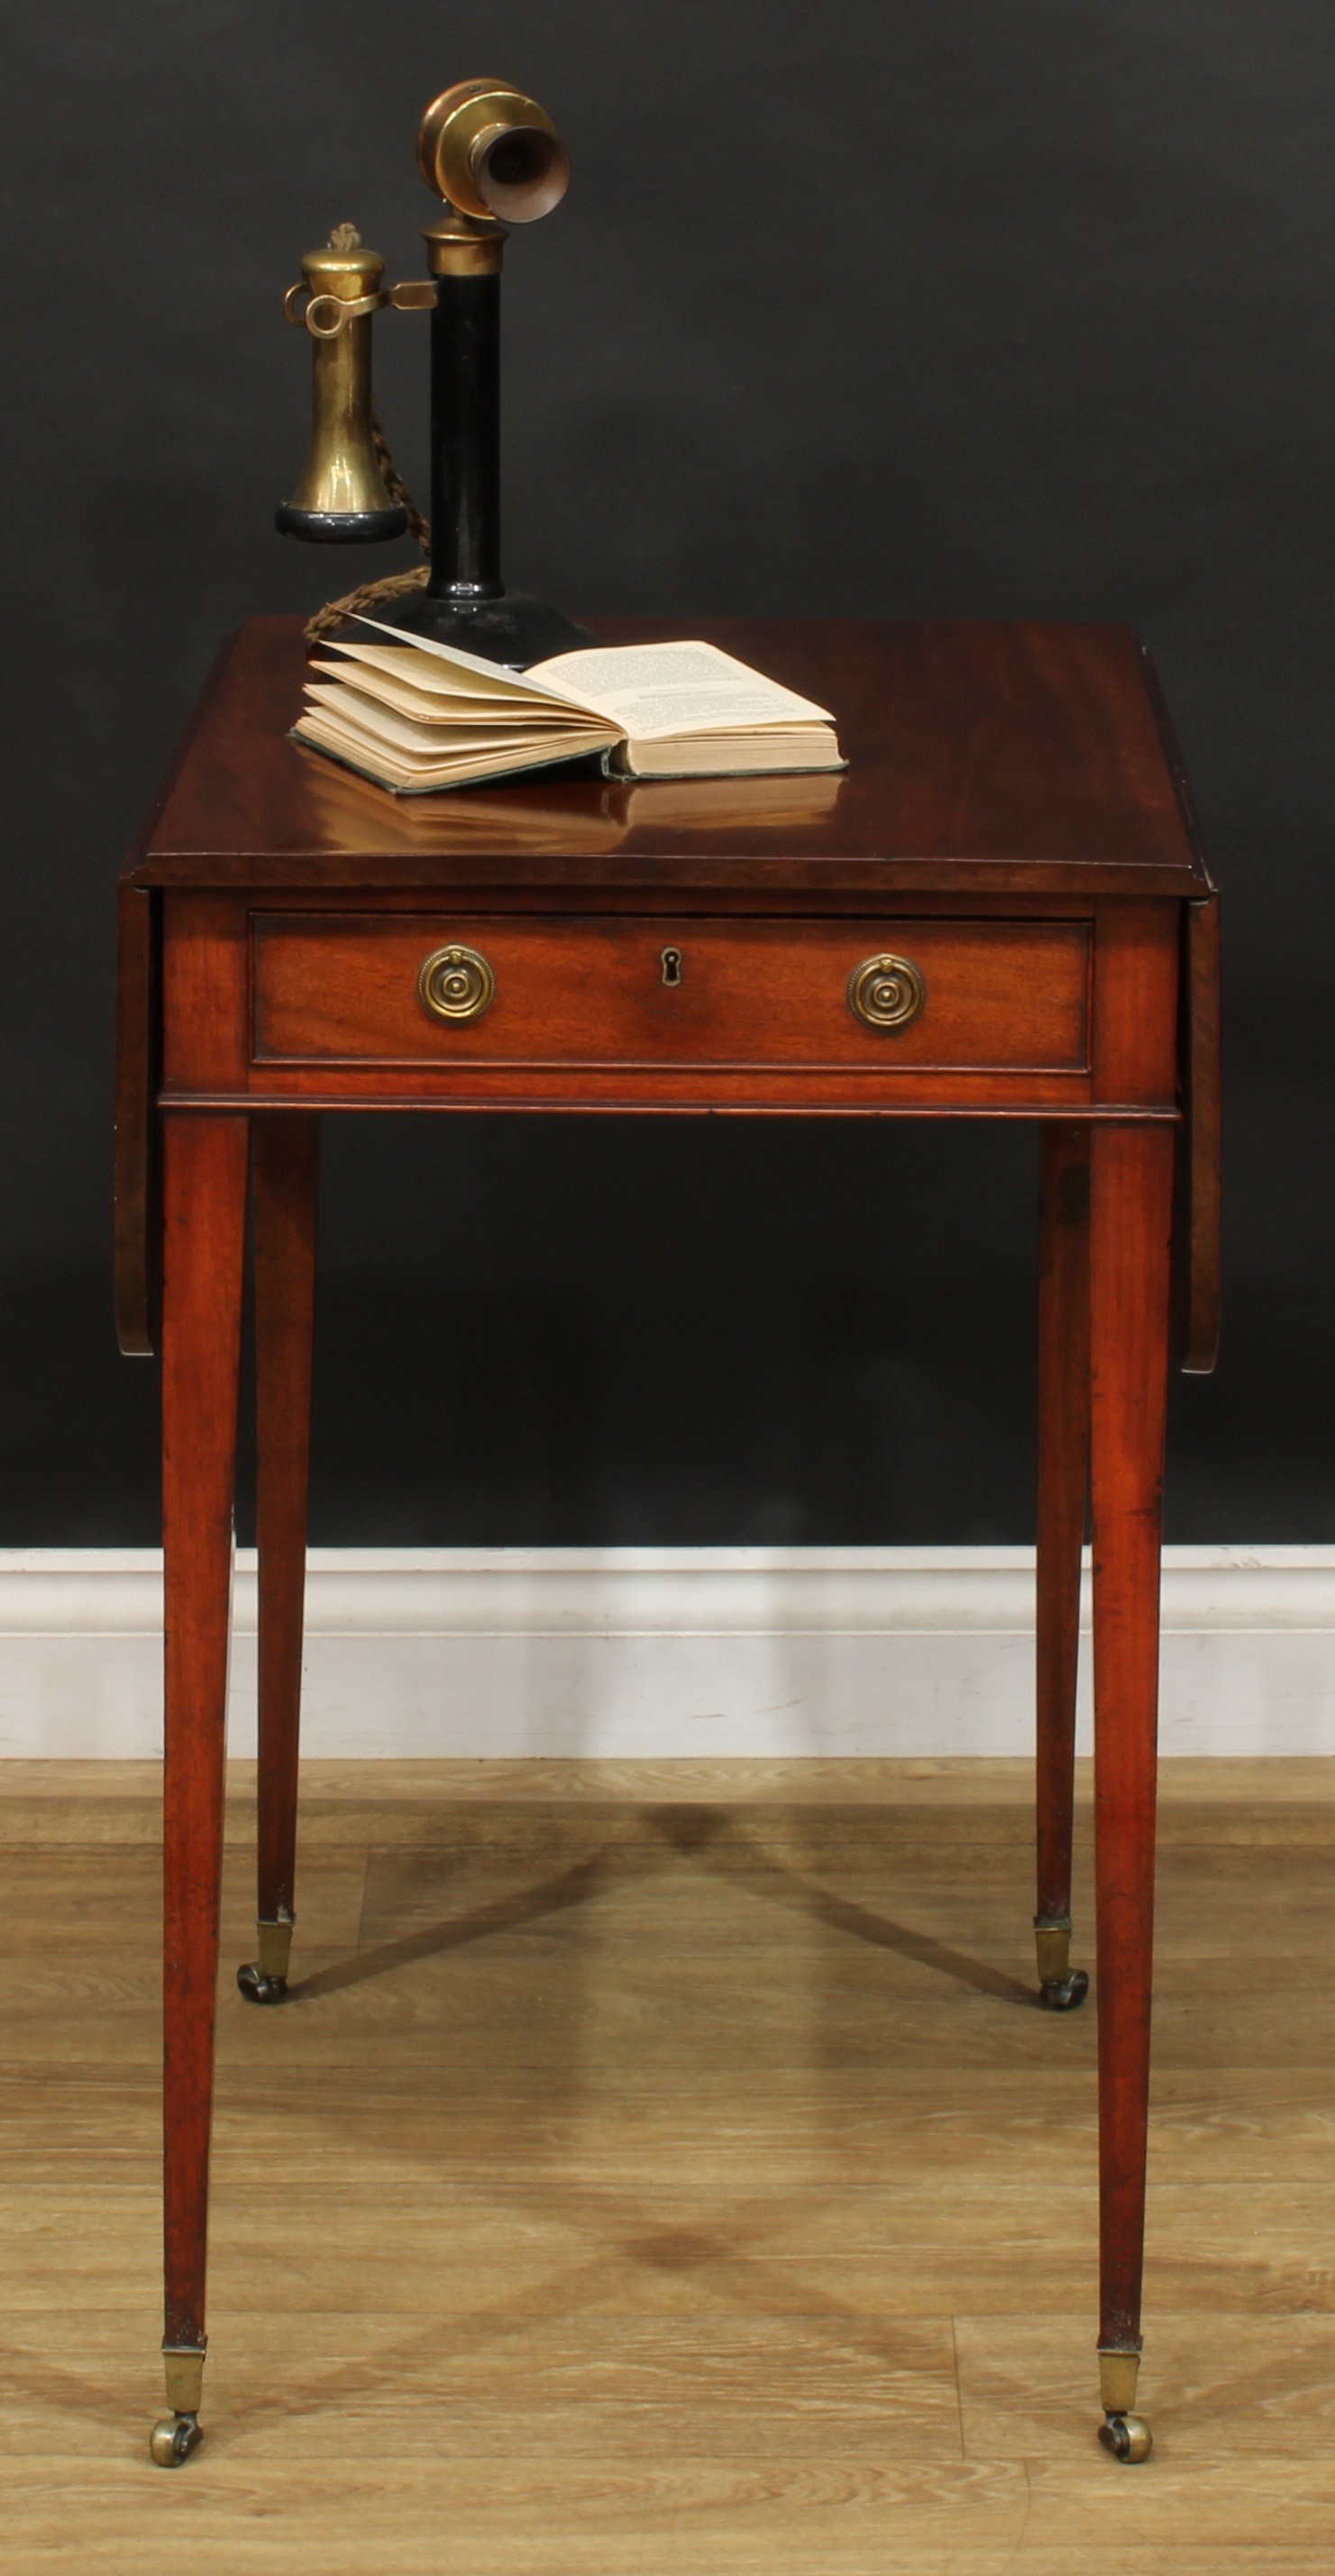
492,153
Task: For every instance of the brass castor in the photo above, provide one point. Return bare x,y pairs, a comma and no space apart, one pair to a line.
259,1989
265,1981
172,2441
1062,1994
1060,1986
1128,2437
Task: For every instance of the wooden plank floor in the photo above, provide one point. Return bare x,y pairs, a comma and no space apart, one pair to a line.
663,2168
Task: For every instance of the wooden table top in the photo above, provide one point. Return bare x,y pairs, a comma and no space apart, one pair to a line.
985,759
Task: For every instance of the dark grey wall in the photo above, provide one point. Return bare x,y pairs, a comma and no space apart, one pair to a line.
975,307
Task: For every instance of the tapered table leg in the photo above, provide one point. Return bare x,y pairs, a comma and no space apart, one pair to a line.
1132,1173
1063,1478
204,1215
285,1166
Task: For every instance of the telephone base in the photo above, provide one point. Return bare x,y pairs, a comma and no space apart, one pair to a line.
514,628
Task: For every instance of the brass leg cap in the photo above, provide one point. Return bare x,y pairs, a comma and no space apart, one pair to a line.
1128,2437
172,2441
265,1980
1062,1994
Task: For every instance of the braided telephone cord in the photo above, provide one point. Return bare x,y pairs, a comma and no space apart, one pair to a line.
374,594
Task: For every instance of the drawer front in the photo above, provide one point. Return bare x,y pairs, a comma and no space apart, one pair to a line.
801,996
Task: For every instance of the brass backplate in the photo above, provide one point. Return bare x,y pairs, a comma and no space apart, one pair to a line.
456,983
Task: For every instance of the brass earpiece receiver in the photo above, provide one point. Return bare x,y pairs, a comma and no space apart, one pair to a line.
341,498
495,157
491,151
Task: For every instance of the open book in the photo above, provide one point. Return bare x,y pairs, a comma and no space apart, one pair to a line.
415,715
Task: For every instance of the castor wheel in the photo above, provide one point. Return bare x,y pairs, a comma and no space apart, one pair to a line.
1062,1994
259,1988
264,1979
1128,2437
172,2441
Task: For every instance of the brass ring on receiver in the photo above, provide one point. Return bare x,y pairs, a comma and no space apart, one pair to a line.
456,983
335,312
886,992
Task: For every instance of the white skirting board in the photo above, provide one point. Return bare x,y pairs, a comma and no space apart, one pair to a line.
663,1652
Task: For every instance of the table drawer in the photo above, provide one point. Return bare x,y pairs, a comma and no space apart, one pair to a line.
809,996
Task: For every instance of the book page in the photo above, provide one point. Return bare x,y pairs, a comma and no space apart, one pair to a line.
376,672
341,706
403,774
456,669
652,690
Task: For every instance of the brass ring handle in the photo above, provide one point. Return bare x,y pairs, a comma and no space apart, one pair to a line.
886,992
456,983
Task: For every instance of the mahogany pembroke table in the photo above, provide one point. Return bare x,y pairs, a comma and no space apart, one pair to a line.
1001,910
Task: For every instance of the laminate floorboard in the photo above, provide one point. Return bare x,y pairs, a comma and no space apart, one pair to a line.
664,2168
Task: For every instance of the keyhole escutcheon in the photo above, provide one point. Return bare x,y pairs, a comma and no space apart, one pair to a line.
672,965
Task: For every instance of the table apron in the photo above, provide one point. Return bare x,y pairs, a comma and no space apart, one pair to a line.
1015,1017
